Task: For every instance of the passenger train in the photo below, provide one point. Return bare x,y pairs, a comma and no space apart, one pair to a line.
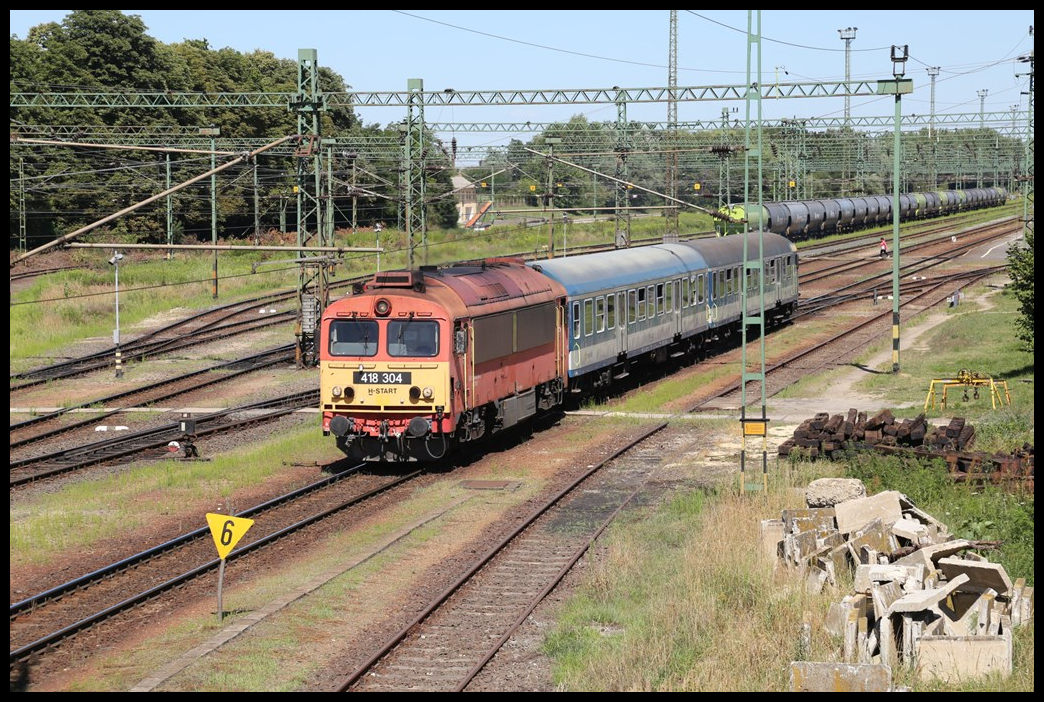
416,363
809,219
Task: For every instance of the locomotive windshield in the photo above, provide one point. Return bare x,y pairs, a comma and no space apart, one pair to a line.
353,337
410,337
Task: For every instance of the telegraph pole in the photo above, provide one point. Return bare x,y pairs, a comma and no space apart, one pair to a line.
671,230
978,141
847,35
933,71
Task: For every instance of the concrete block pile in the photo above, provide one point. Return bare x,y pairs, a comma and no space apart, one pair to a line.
917,596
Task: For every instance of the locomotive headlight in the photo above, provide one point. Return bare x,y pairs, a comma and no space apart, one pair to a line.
427,393
336,391
382,307
349,394
415,393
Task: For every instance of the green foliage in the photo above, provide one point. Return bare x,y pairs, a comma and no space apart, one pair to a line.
1020,268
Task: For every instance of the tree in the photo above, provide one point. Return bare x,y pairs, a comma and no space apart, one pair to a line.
1020,268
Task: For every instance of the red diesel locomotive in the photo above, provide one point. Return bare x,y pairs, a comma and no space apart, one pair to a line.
421,361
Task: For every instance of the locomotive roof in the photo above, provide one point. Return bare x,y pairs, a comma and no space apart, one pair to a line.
493,281
588,273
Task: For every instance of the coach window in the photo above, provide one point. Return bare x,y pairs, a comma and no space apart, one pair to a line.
610,311
588,317
632,306
353,337
686,292
600,314
659,298
699,289
576,320
719,285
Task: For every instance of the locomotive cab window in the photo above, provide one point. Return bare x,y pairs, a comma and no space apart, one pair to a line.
410,337
353,337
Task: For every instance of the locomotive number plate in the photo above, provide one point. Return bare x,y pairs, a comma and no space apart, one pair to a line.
382,378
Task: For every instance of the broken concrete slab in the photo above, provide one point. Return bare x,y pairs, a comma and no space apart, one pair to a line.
819,520
884,594
928,555
982,575
922,600
956,659
911,530
855,514
828,492
837,615
806,676
909,577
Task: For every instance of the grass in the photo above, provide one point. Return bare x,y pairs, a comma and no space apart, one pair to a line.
681,597
978,336
81,302
94,510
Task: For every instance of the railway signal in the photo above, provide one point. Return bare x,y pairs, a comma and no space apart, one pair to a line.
227,531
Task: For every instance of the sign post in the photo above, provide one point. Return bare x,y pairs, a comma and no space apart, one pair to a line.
227,531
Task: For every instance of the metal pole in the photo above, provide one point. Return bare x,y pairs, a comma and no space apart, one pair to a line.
933,71
213,208
170,212
115,261
899,58
257,210
549,200
895,236
22,245
355,201
978,139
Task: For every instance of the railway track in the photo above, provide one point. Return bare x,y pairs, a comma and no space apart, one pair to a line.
463,627
151,393
54,616
156,440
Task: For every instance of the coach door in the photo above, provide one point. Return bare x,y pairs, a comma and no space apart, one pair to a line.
675,301
620,322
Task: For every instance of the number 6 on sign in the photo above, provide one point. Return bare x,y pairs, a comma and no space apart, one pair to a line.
227,531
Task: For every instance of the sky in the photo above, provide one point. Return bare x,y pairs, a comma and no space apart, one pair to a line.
380,50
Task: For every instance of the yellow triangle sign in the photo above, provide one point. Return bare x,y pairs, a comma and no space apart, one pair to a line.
227,531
